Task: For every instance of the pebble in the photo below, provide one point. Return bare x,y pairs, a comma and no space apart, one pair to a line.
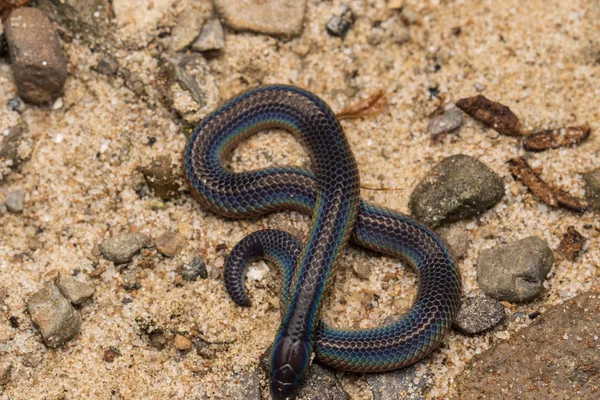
448,121
273,17
339,25
409,383
111,353
54,315
189,86
75,291
458,239
362,269
122,248
194,269
211,37
5,372
158,340
186,29
515,272
163,177
592,188
182,343
257,272
170,244
459,187
555,357
38,64
129,281
14,201
15,148
478,314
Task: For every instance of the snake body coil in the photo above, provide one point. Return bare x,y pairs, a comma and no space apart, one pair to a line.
331,193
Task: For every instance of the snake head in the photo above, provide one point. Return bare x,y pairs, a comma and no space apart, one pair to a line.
289,361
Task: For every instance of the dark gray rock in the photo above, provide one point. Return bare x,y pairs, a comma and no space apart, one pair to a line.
273,17
448,121
557,356
408,383
189,86
14,201
339,25
592,188
75,291
54,315
122,248
320,383
478,314
194,269
38,64
458,187
457,238
242,386
515,272
211,37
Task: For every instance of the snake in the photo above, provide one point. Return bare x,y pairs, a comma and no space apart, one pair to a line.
330,192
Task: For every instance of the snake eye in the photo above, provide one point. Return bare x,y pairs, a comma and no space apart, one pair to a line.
288,364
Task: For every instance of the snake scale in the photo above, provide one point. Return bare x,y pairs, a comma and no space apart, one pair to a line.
330,193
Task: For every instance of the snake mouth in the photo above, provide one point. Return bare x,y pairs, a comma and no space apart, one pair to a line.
289,362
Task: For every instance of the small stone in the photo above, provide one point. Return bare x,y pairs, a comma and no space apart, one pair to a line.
211,37
5,371
257,272
54,315
16,104
446,122
458,187
409,383
362,269
189,86
15,148
339,25
478,314
170,243
194,269
163,177
458,239
6,333
515,272
38,63
592,188
158,340
14,201
129,281
111,353
75,291
273,17
122,248
182,343
186,29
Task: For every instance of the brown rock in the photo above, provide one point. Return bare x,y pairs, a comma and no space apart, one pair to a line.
182,343
557,357
170,244
163,177
38,63
271,17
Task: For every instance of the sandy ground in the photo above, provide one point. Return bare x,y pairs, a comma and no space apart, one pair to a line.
81,186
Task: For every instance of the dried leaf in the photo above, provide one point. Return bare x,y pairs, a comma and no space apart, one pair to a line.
571,244
493,114
555,138
567,201
372,105
522,171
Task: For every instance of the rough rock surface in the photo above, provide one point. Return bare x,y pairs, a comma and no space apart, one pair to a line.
592,188
163,177
515,272
478,314
54,315
271,17
90,18
458,187
122,248
557,357
410,383
14,149
75,291
38,63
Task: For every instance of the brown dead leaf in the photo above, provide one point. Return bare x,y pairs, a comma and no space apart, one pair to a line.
372,105
571,244
495,115
555,138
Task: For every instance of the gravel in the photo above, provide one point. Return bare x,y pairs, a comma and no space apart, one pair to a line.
170,244
186,29
515,272
194,269
122,248
75,291
448,121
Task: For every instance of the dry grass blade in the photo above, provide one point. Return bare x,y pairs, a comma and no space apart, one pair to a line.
372,105
495,115
555,138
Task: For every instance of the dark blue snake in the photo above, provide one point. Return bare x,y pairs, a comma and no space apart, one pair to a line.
330,192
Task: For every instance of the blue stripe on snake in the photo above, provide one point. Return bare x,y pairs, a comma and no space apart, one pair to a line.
330,192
